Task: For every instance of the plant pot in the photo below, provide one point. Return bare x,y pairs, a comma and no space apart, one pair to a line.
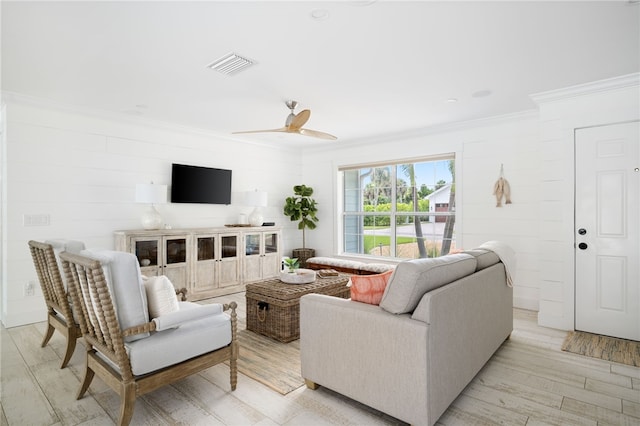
302,254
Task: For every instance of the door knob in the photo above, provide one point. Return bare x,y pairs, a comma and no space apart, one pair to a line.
582,246
582,231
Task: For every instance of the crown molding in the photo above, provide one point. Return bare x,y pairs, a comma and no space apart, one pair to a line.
621,82
434,130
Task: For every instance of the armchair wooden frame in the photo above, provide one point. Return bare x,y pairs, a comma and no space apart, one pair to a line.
59,311
85,277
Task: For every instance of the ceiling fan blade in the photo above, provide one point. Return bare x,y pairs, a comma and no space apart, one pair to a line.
299,120
316,134
281,129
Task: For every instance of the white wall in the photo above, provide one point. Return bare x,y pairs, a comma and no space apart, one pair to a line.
81,171
480,148
561,112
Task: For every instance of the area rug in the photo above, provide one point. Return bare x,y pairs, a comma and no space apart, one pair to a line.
274,364
603,347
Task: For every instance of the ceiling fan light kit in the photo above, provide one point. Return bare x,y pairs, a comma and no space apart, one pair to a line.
294,123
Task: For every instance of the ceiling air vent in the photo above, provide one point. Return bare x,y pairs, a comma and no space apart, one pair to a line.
230,64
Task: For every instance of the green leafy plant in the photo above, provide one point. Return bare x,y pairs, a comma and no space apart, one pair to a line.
302,207
292,264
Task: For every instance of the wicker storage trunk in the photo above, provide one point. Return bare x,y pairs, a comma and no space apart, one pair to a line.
273,307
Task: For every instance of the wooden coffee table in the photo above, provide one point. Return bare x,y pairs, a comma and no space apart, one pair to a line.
273,307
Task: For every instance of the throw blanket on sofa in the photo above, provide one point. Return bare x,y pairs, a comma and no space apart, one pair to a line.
506,255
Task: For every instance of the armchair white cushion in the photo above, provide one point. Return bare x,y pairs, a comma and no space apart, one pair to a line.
173,345
59,245
122,273
187,312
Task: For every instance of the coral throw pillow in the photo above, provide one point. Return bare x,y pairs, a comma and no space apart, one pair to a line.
369,288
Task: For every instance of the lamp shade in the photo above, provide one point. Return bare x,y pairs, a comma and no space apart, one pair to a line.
256,198
151,193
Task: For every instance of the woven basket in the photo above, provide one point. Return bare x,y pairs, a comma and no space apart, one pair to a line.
273,307
302,254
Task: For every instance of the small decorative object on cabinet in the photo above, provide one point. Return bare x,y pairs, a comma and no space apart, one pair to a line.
299,276
151,194
208,262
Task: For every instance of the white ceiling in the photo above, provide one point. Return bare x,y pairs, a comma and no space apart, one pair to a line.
368,69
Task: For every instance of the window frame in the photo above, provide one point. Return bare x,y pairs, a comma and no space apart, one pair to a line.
342,215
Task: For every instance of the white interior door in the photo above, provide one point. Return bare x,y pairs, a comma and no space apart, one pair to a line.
607,232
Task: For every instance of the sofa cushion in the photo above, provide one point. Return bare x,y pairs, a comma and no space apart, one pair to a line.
169,347
161,296
413,278
485,258
122,273
369,288
377,268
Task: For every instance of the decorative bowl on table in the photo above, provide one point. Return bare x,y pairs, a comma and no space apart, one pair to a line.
299,276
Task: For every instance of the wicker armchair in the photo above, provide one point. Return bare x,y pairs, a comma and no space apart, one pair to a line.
59,310
135,358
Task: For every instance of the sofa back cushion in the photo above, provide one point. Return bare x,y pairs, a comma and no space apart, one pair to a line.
413,278
485,258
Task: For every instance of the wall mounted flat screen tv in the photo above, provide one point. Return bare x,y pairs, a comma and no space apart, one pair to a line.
200,185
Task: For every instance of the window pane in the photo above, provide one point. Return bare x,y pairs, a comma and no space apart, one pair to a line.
372,238
376,185
426,240
352,191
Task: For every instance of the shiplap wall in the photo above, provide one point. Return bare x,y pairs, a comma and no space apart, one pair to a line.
481,147
561,112
81,171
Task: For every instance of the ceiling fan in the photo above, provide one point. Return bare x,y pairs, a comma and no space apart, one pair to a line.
294,124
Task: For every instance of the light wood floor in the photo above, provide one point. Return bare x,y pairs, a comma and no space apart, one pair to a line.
529,381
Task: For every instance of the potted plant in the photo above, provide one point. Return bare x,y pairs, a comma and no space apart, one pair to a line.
302,207
296,275
292,264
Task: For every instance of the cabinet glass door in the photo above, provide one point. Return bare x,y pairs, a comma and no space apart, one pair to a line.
252,244
206,248
229,246
176,251
147,252
271,243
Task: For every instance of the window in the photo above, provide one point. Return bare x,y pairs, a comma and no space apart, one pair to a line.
402,210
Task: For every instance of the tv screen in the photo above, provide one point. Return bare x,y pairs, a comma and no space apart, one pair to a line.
201,185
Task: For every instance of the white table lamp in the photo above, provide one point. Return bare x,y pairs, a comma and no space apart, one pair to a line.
150,193
257,199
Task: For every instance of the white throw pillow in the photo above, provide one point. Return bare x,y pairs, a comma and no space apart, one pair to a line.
161,296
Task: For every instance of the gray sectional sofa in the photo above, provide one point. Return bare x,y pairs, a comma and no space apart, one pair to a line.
439,322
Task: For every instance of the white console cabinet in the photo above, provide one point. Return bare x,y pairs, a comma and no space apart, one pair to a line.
208,262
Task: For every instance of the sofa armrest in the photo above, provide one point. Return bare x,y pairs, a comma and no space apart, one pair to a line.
365,353
468,321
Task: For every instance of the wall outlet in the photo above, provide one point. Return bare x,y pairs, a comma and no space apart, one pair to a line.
30,289
36,220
